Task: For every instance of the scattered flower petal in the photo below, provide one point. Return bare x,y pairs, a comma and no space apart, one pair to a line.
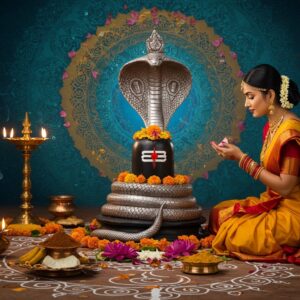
241,126
240,74
205,175
95,74
19,289
65,75
216,43
108,20
88,35
150,287
63,114
72,54
233,55
125,276
67,124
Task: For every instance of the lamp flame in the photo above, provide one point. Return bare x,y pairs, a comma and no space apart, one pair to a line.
11,133
43,133
4,132
3,225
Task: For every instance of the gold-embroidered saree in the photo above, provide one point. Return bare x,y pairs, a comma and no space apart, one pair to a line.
259,228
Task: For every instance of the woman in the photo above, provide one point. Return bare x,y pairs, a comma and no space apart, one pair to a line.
262,228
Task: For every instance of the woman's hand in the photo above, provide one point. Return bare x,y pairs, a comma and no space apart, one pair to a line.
227,151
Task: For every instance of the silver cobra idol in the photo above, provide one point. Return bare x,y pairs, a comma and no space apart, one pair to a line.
155,85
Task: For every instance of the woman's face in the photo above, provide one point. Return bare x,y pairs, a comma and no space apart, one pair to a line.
256,101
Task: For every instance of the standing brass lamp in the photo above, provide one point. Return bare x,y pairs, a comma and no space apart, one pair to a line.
26,144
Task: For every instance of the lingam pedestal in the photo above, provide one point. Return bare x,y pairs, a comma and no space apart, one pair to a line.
155,86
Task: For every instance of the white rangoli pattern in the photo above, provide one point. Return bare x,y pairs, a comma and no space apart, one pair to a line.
143,276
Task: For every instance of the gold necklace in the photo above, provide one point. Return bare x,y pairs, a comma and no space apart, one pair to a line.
270,134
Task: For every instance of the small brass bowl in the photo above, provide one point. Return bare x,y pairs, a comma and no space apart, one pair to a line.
62,206
200,268
4,243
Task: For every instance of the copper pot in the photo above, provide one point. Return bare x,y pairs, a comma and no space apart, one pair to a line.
62,206
4,243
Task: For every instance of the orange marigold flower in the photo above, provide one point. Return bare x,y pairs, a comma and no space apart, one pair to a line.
179,179
130,178
93,242
121,176
153,131
84,241
207,241
141,178
133,245
187,179
146,242
192,238
102,244
169,180
162,244
153,180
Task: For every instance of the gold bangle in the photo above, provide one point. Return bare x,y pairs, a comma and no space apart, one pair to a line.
242,159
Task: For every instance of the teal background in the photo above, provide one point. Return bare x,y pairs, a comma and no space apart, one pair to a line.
35,39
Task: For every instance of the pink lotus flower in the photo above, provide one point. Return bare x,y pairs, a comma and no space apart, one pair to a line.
72,54
65,75
63,114
179,248
95,74
154,12
119,251
67,124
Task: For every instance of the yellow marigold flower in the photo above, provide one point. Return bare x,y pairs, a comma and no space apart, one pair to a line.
162,244
131,178
102,244
169,180
141,178
148,242
165,135
179,179
121,176
154,180
153,131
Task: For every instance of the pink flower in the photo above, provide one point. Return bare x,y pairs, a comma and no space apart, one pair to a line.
72,54
154,11
65,75
63,114
233,55
241,126
240,74
192,21
134,16
88,35
179,248
108,20
67,124
119,251
216,43
95,74
221,54
205,175
155,20
125,6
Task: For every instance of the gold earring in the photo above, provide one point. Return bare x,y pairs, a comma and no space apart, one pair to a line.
271,109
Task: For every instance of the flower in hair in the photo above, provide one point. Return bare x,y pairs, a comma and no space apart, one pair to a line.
284,92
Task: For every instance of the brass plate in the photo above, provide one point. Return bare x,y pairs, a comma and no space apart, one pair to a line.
42,270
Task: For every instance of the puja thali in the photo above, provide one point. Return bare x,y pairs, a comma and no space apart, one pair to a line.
42,270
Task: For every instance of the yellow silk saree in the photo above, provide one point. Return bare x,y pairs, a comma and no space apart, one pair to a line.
260,228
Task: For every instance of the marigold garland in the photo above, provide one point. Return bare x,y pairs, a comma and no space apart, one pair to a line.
152,132
128,177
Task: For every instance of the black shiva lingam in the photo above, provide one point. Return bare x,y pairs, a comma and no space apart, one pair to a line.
155,86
